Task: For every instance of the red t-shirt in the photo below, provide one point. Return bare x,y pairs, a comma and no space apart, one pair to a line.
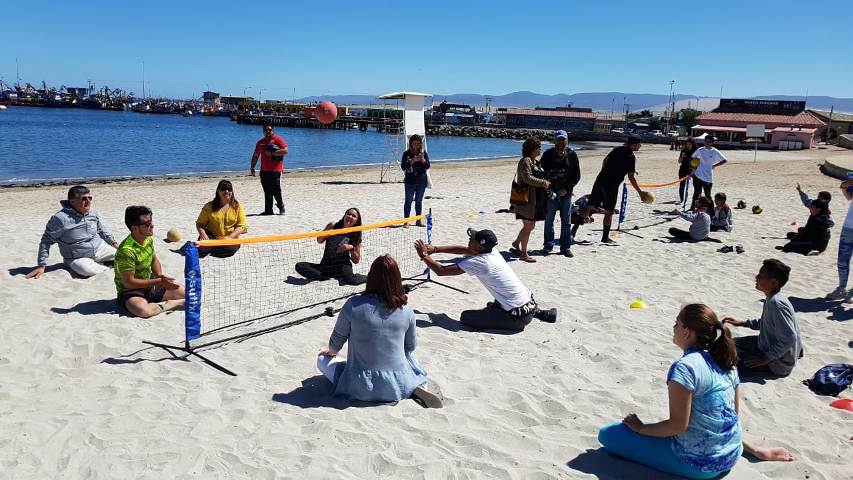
268,162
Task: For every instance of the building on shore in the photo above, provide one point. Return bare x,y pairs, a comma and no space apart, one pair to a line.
560,118
787,124
842,123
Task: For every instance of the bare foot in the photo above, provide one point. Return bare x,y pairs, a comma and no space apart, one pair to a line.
773,454
170,305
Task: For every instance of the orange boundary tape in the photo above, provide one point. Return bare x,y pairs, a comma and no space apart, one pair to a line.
658,185
296,236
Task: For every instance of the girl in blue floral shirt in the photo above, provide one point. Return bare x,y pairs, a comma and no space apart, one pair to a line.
702,437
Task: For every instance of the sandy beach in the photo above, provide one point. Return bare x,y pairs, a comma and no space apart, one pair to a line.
82,397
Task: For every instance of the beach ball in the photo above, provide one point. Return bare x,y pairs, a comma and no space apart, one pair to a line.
326,112
649,198
173,235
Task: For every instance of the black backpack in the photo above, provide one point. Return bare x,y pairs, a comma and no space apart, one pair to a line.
831,379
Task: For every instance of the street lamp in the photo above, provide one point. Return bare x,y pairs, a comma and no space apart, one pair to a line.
244,90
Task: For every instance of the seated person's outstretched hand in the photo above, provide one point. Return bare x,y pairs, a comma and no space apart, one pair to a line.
633,422
36,273
327,352
734,321
169,282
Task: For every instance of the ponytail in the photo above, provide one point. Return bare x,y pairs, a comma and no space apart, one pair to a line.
723,349
704,323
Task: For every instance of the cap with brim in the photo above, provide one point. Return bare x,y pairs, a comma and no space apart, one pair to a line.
634,140
561,134
486,238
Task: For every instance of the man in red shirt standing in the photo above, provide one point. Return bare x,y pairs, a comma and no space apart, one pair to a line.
272,149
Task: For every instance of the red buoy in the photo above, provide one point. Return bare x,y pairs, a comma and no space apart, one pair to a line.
326,112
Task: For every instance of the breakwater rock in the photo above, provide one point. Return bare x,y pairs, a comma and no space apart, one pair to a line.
525,133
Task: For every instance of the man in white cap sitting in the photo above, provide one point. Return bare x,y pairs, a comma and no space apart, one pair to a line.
514,306
84,241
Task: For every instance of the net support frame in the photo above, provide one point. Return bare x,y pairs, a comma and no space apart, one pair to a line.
193,300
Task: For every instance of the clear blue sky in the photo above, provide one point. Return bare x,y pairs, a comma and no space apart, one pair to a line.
748,47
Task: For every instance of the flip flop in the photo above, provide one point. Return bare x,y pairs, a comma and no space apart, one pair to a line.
514,251
726,249
527,259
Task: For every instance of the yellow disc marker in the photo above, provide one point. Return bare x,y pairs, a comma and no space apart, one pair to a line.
638,305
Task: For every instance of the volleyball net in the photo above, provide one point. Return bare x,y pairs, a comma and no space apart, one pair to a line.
233,283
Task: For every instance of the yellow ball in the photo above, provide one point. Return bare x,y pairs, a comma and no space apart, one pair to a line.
694,163
649,198
173,235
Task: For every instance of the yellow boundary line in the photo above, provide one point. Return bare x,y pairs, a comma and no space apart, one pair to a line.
296,236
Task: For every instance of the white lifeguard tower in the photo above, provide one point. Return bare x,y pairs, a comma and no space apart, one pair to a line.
413,124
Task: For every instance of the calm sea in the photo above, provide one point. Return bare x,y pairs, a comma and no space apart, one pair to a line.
38,144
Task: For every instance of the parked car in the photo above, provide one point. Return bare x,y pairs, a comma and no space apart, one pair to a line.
618,130
657,133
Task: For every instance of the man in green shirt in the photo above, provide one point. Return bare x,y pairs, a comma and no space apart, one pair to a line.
139,277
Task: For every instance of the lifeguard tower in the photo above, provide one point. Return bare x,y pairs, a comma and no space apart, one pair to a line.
413,124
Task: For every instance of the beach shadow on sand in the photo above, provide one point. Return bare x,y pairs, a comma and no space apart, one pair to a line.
22,271
838,311
351,182
316,392
604,466
135,357
440,320
93,307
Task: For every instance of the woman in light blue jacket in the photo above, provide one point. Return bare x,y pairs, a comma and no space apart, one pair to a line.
381,331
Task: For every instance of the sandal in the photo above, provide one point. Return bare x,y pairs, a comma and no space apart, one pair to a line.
726,249
528,259
739,249
514,250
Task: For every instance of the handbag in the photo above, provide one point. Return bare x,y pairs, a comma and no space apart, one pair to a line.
519,194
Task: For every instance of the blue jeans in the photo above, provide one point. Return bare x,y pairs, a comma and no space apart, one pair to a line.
414,192
654,452
564,205
845,251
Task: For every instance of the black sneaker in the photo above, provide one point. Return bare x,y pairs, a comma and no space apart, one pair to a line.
427,399
608,240
567,253
263,214
281,210
547,316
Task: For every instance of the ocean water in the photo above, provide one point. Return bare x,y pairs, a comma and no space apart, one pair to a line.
39,144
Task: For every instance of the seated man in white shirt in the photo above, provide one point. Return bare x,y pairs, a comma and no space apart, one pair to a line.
514,306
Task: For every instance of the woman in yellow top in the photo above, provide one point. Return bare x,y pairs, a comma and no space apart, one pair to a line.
219,219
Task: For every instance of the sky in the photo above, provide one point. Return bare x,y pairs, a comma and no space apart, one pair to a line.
282,49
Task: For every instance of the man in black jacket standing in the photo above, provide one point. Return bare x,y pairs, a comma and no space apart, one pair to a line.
562,169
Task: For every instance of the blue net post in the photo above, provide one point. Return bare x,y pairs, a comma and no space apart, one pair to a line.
429,238
687,191
623,207
192,282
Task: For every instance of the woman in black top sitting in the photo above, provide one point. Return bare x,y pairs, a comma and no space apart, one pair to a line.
684,167
339,254
815,235
415,163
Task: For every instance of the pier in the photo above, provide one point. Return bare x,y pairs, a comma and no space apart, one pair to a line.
346,122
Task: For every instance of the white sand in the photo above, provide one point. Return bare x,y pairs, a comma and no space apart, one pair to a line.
82,398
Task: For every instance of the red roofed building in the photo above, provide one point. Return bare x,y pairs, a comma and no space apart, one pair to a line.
787,124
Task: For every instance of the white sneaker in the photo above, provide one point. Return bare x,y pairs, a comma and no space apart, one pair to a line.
840,293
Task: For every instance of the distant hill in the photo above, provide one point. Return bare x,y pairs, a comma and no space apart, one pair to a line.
594,100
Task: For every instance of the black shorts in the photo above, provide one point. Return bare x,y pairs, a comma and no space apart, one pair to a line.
604,196
150,294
